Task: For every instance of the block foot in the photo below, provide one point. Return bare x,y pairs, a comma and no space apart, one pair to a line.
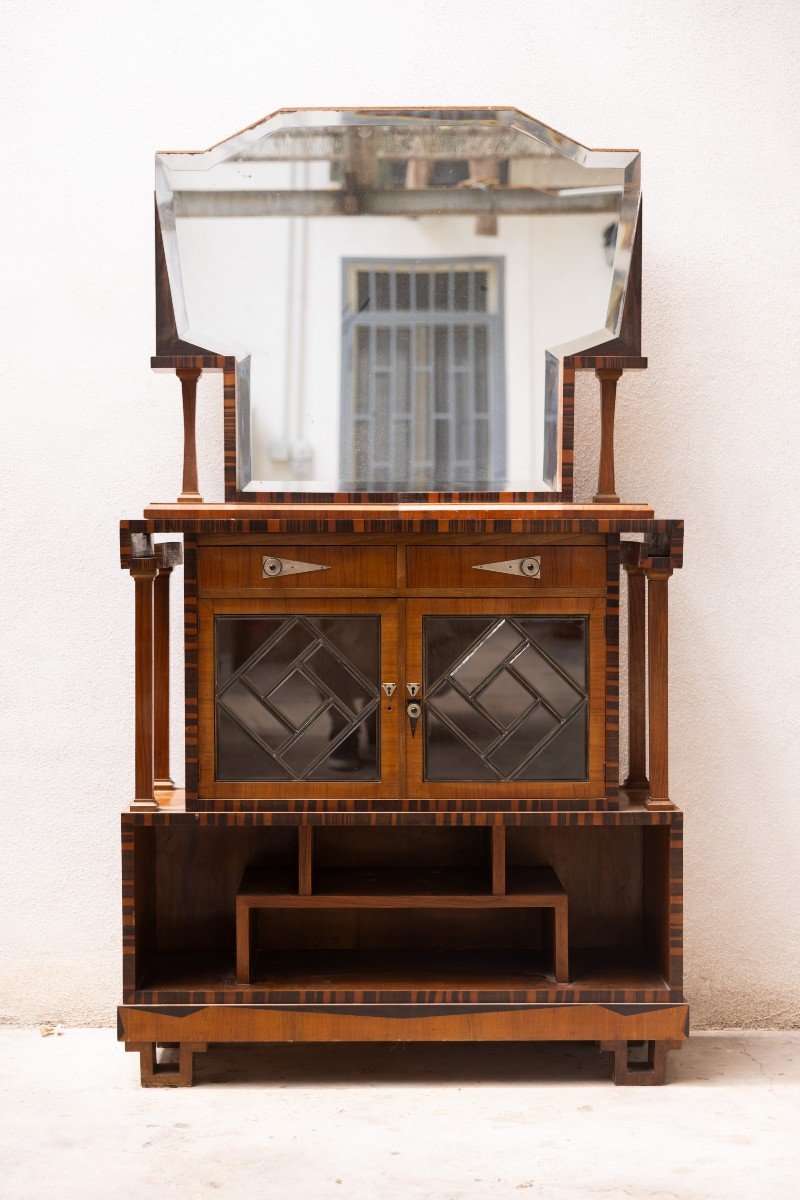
177,1070
650,1070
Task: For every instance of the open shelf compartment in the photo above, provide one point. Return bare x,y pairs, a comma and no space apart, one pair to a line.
403,913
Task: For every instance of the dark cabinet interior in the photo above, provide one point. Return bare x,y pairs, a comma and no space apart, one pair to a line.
616,879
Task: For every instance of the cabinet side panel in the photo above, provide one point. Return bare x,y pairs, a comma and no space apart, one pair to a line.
138,902
663,899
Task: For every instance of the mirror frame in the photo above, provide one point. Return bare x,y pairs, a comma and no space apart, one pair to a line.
623,350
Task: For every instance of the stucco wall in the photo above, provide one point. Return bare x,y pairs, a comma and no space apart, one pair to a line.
709,433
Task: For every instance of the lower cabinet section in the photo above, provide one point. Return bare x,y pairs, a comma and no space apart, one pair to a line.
263,927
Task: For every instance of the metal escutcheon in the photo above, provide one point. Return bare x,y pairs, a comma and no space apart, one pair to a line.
530,567
414,711
271,566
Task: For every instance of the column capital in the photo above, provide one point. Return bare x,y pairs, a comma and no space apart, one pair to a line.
189,374
169,555
144,568
659,572
608,374
632,557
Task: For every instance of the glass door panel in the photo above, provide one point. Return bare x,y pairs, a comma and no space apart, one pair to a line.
303,704
512,697
291,700
505,698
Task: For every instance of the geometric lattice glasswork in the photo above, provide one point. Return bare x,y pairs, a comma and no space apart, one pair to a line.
505,698
297,698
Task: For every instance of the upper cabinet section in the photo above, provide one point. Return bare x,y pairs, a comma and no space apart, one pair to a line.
399,290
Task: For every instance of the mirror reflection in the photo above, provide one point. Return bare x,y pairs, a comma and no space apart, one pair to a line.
399,290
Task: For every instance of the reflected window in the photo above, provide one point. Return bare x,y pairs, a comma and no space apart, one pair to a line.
423,393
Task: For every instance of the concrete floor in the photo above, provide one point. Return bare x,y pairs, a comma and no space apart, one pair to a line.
359,1123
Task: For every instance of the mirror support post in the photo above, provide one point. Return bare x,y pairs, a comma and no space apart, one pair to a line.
636,780
144,571
657,665
606,486
189,377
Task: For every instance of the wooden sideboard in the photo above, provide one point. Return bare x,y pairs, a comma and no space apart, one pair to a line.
279,897
403,817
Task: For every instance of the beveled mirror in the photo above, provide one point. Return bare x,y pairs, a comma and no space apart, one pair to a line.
399,290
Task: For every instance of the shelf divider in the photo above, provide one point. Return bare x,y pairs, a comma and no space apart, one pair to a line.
498,859
305,846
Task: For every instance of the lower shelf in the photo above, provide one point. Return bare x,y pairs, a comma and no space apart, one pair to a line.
362,891
396,976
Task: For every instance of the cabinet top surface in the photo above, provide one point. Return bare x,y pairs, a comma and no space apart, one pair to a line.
632,811
398,511
389,520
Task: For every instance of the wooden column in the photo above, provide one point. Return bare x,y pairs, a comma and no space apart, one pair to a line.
144,571
657,680
637,665
189,377
162,782
169,555
606,486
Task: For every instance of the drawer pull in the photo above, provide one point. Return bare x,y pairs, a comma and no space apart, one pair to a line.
271,567
530,567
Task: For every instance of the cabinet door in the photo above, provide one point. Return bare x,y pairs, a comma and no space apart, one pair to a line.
512,695
290,699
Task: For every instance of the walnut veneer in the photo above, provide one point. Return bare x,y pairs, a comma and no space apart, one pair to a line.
316,888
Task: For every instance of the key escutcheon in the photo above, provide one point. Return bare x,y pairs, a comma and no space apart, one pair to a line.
413,712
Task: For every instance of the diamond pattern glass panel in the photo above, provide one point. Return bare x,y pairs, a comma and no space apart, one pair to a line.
300,701
348,758
560,693
453,758
239,640
487,654
248,709
334,676
240,757
276,656
456,709
296,699
505,698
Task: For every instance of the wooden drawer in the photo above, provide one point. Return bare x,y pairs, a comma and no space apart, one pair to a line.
222,568
455,566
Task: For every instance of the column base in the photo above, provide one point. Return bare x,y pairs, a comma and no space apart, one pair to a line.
144,806
190,498
606,498
636,783
659,804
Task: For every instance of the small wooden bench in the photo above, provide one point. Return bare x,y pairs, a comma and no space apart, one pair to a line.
535,887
